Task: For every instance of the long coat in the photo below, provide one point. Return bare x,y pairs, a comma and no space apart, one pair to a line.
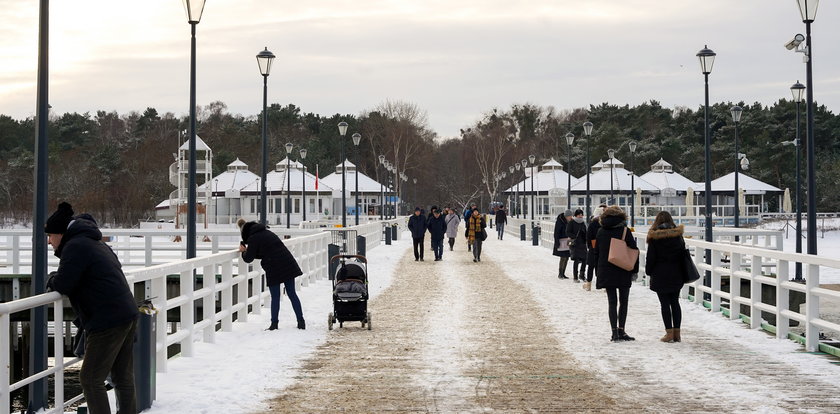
577,233
610,275
501,217
560,247
417,225
437,227
665,250
452,222
591,232
276,259
90,274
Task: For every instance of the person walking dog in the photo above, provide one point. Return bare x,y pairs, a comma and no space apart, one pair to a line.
665,252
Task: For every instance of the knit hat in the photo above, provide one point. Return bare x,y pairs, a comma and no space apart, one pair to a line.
58,221
597,213
568,213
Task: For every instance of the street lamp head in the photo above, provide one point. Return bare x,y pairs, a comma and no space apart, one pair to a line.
382,159
524,163
357,138
531,159
511,169
707,60
795,42
518,166
194,9
342,128
745,163
303,153
587,128
504,175
798,91
264,59
570,137
415,180
808,9
611,153
736,113
289,147
632,146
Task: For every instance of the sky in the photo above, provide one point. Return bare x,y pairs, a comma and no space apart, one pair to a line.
454,59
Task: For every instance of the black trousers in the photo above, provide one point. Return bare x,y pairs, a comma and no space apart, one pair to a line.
618,305
418,244
671,311
109,351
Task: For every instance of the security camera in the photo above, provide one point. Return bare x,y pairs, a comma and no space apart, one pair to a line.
793,43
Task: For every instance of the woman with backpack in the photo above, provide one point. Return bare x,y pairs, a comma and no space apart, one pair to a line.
614,279
663,263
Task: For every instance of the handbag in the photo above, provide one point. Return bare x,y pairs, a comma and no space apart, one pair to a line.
483,235
621,255
690,273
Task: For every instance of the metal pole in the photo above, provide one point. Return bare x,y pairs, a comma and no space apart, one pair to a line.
343,186
288,189
264,175
357,185
737,198
216,203
303,188
569,181
612,199
708,184
381,197
632,190
191,215
588,173
810,144
38,317
533,206
797,191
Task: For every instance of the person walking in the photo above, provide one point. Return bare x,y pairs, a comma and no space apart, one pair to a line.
417,225
437,229
614,279
467,216
591,232
663,263
576,230
90,274
258,242
501,221
561,242
453,220
476,233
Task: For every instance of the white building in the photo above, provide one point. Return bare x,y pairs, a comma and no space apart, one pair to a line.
672,185
371,192
610,178
550,185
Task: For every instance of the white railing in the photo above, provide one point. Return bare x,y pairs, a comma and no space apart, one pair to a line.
310,252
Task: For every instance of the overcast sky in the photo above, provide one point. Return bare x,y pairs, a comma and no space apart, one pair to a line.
453,58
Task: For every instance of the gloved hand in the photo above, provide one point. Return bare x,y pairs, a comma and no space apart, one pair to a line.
51,275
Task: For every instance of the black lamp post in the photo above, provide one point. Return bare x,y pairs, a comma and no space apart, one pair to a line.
611,154
289,147
808,11
518,205
414,180
632,146
570,139
736,117
797,90
216,201
707,60
342,129
194,10
531,159
303,181
264,60
357,138
512,207
587,130
381,190
404,190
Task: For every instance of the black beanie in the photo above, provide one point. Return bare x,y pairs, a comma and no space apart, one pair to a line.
58,221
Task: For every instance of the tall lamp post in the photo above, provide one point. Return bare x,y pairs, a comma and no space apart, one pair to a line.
518,205
289,148
587,130
524,163
381,190
797,90
264,60
531,159
194,9
707,60
415,189
570,139
216,201
808,11
512,207
303,181
736,117
632,146
404,189
611,154
342,129
357,138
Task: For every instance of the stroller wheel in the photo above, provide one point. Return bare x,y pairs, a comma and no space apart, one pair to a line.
369,324
330,321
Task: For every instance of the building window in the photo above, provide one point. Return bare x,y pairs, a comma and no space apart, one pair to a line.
297,206
277,205
311,205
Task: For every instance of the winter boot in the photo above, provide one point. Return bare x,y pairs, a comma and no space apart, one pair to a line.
676,334
301,324
623,335
669,335
587,286
615,337
272,327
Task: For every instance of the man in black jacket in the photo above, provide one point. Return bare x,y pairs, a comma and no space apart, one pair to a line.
501,220
90,274
417,225
437,228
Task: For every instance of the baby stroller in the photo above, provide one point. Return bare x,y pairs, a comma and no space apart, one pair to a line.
350,291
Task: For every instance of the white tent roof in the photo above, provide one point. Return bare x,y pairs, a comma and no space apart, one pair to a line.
665,178
200,145
749,184
546,179
366,184
599,181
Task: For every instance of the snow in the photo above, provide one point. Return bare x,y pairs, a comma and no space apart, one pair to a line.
828,242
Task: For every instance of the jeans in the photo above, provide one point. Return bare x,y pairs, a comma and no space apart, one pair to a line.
418,244
437,248
500,228
293,298
618,317
670,307
477,249
109,352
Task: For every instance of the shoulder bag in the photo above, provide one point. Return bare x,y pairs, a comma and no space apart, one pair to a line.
690,273
621,255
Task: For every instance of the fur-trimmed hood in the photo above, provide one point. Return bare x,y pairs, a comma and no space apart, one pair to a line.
668,233
613,217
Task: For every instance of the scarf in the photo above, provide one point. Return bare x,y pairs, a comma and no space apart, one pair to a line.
474,227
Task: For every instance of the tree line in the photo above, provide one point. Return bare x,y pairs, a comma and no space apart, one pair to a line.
115,166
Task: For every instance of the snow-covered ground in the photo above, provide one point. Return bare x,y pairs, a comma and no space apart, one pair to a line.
828,242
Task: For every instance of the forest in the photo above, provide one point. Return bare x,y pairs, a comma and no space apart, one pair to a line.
115,166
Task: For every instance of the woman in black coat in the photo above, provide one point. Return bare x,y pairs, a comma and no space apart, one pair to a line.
614,279
561,242
576,230
591,232
258,242
665,250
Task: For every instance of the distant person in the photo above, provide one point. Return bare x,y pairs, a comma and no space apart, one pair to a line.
258,242
453,220
576,231
614,279
561,242
417,225
591,232
90,274
476,233
663,263
467,215
437,229
501,221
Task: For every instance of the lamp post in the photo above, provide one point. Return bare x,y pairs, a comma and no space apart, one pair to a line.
512,207
381,190
342,129
797,90
707,60
264,60
303,181
404,189
415,189
736,117
531,159
570,139
524,163
392,203
611,153
194,9
587,130
808,11
357,138
216,201
518,205
289,148
632,146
